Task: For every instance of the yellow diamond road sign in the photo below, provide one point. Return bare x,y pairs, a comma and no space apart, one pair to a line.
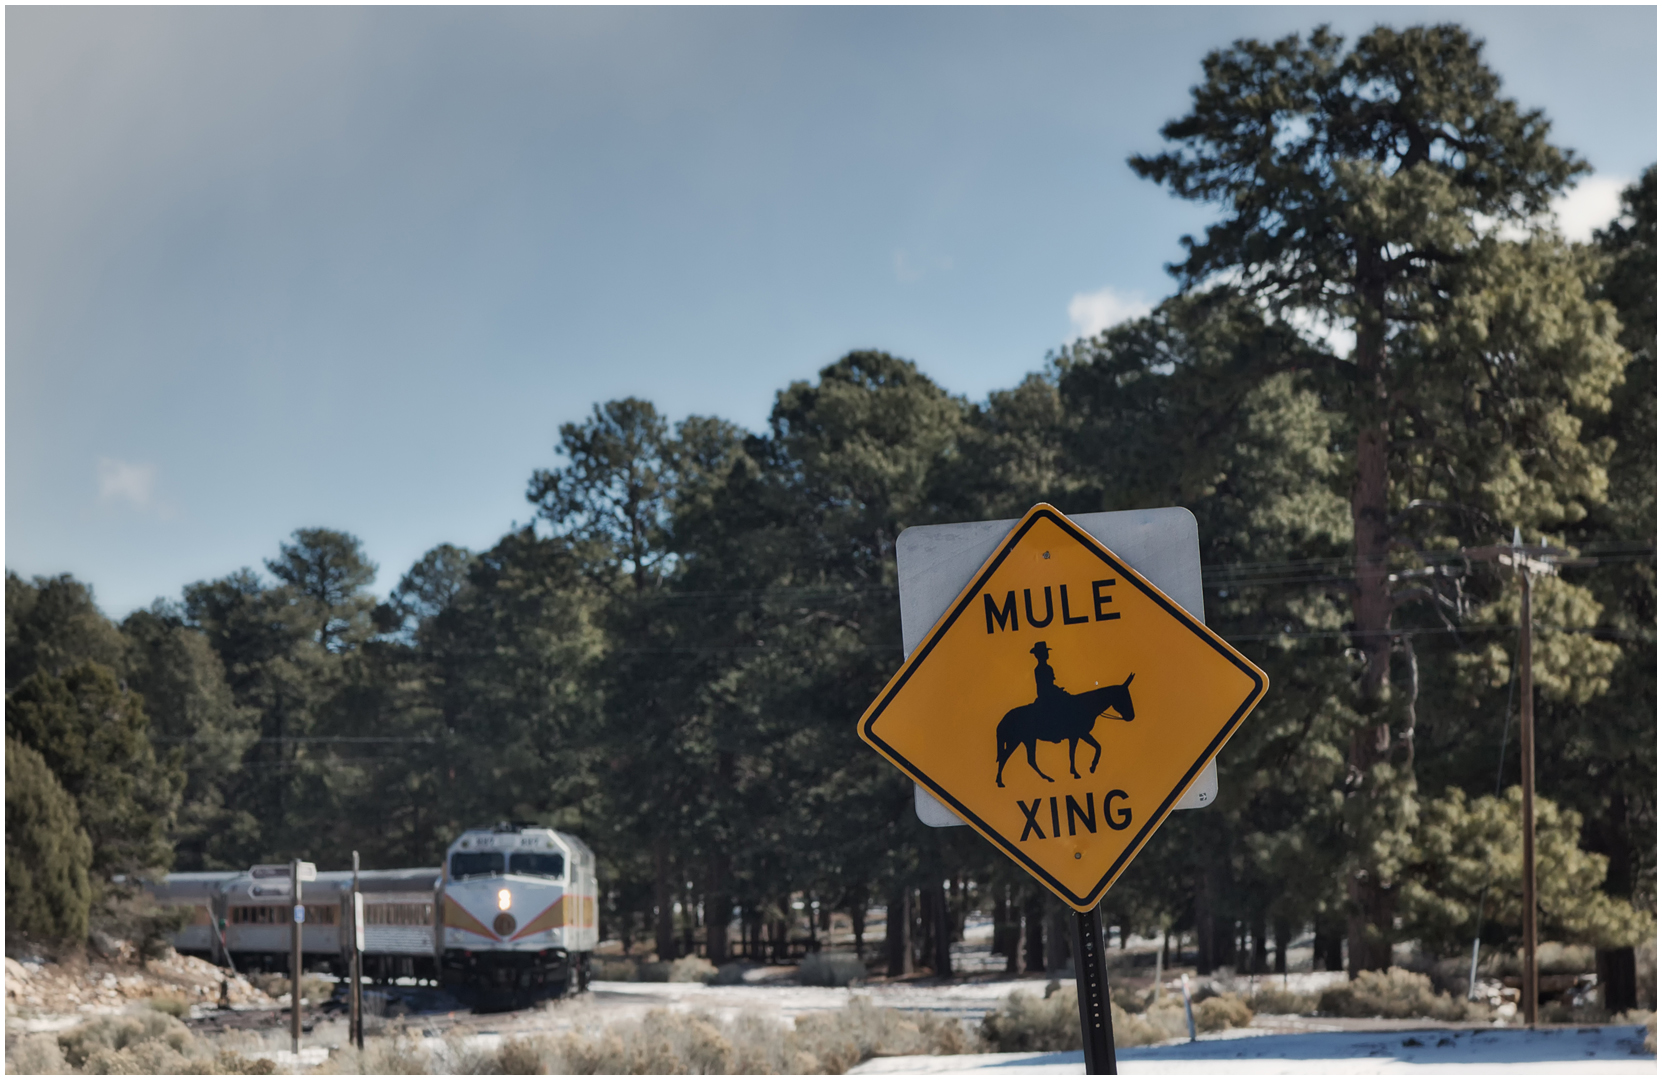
1062,706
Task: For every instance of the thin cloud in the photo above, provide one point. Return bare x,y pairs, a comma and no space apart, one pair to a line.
1094,312
124,481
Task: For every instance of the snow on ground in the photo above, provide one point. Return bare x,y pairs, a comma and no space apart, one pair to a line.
1546,1051
967,1000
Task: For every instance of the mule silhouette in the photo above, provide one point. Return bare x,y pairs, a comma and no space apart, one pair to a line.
1059,715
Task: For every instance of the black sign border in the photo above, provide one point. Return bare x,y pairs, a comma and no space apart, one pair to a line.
973,590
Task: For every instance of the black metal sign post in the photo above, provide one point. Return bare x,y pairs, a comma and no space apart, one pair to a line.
1096,1018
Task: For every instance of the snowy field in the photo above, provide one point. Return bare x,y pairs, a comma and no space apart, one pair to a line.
1437,1051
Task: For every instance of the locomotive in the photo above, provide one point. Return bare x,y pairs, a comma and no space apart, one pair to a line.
509,918
519,916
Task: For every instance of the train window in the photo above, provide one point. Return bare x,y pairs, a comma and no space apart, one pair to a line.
398,914
466,864
260,915
267,915
537,864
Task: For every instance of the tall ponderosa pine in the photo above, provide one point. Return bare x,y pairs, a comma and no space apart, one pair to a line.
1367,188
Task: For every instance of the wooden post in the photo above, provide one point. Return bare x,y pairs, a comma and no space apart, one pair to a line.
355,1030
1096,1018
1526,723
296,924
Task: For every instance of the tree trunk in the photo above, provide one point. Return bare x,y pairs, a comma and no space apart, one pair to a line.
1371,908
1260,947
1283,935
938,920
1205,954
1034,915
1001,917
1013,938
857,921
1058,949
1329,946
718,910
661,896
897,939
689,921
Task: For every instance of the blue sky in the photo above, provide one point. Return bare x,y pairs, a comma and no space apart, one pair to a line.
280,267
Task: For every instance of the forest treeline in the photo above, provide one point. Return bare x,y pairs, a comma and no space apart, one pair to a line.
670,661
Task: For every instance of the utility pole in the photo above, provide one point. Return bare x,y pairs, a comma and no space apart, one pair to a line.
295,928
1527,561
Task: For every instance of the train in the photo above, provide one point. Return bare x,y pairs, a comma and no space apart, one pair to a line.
511,917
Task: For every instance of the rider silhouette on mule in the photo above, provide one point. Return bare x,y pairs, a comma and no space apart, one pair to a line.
1056,716
1044,676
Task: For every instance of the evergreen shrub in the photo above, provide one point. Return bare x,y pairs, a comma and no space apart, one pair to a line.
48,894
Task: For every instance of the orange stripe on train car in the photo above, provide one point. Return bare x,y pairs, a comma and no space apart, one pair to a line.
552,917
458,917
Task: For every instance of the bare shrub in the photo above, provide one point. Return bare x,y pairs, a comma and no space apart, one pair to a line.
1276,1001
171,1004
397,1053
653,971
1394,994
36,1055
1165,1019
607,969
147,1043
830,969
660,1042
115,1033
1222,1011
519,1057
860,1031
692,969
1025,1023
680,1043
1132,1001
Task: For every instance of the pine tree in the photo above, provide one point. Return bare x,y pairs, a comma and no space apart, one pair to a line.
1367,189
48,854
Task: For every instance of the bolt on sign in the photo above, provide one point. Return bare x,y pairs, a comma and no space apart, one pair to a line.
1062,706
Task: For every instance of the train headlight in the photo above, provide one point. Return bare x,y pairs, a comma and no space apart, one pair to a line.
504,899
